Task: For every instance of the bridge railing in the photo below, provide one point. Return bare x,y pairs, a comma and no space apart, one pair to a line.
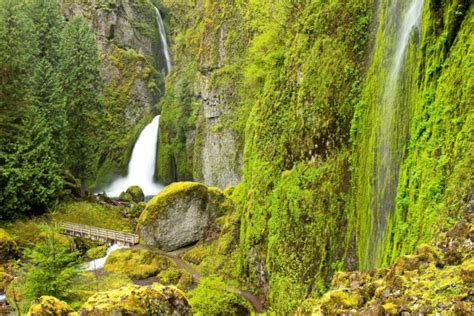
96,233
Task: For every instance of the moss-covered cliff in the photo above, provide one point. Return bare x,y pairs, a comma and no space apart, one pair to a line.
302,87
130,51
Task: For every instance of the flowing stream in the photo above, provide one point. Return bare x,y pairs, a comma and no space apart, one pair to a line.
389,147
98,264
3,298
141,167
164,42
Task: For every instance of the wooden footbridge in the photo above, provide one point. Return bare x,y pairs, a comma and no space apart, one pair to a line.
99,234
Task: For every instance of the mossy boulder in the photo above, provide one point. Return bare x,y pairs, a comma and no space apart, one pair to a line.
125,197
48,305
133,194
138,300
181,214
8,247
137,263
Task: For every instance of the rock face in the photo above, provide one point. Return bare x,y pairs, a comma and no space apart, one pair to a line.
48,305
131,54
138,300
180,215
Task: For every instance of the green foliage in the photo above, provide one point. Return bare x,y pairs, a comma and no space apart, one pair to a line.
213,297
51,269
80,77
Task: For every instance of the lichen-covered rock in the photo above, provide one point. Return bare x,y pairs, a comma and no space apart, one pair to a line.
8,247
137,263
181,214
49,306
138,300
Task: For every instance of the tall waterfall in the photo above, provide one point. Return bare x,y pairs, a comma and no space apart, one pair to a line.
164,43
141,167
390,137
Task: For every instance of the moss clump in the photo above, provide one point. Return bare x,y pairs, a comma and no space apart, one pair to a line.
213,297
139,300
5,279
169,276
335,300
126,197
96,252
186,281
48,305
136,193
8,247
137,263
195,255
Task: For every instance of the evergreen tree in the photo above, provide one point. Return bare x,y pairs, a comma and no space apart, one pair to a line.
15,60
48,22
49,102
81,81
30,176
51,269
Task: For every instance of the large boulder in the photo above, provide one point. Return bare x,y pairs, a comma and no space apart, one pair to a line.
181,214
133,194
138,300
8,247
137,263
48,305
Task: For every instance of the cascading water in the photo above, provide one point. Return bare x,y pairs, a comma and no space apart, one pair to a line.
98,264
389,147
164,43
141,168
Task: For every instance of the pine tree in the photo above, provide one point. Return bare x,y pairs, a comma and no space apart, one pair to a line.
49,103
81,81
51,269
48,22
15,64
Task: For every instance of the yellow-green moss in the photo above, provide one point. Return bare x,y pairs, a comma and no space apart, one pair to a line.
137,263
139,300
8,247
48,305
96,252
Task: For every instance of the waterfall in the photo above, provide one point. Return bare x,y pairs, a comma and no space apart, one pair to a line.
164,43
391,131
98,264
141,167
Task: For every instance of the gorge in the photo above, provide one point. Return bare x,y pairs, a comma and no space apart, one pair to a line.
293,157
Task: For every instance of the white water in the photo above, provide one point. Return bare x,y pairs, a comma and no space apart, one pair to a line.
98,264
3,298
164,43
141,167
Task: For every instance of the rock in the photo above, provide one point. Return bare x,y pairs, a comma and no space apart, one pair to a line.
125,197
137,263
48,305
136,193
181,214
333,301
96,252
138,300
8,247
467,272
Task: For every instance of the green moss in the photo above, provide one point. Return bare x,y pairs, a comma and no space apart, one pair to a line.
169,276
213,297
137,193
96,252
137,263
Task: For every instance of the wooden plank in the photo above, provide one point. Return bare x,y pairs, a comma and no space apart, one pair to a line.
99,233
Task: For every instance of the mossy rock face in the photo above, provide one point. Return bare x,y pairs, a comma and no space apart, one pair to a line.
138,300
181,214
8,247
126,197
137,263
48,305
